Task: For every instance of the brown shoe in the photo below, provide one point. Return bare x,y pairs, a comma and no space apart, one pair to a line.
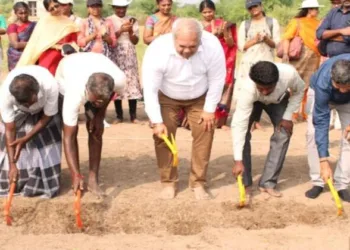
271,191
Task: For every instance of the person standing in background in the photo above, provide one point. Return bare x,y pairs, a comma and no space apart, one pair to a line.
304,25
96,32
19,33
335,30
50,33
2,32
159,23
226,33
67,10
124,55
335,122
257,40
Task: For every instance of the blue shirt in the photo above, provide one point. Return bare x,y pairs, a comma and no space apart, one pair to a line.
334,20
325,94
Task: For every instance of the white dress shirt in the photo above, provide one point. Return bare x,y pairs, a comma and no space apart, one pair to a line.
72,75
47,95
163,69
289,79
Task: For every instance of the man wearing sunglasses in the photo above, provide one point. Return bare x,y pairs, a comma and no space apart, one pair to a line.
93,86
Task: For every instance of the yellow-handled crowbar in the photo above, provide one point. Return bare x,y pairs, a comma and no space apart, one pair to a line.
173,148
241,188
335,197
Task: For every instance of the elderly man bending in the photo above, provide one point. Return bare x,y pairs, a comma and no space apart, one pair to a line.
330,89
93,84
184,70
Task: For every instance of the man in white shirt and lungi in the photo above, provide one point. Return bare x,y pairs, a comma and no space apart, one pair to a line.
88,79
186,70
268,88
30,134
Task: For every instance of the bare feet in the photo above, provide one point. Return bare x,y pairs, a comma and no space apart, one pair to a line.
201,194
225,128
256,126
117,121
271,191
94,188
167,193
135,121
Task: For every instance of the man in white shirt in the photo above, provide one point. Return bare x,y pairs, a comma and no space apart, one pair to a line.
184,70
268,88
92,84
30,135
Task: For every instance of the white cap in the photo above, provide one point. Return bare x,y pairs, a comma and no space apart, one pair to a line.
306,4
121,3
66,1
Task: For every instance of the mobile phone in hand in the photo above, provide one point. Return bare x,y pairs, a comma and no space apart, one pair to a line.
132,20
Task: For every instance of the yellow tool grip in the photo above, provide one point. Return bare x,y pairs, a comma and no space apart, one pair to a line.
169,144
241,188
336,197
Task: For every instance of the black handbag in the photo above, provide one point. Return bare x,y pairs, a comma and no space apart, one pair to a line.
322,47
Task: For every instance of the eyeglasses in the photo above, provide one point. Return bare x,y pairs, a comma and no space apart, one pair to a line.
55,7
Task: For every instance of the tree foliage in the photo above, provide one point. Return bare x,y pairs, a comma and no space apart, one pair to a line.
232,10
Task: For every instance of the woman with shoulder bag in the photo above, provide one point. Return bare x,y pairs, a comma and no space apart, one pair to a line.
298,46
258,37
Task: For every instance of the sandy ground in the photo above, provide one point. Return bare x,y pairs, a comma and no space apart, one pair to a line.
133,217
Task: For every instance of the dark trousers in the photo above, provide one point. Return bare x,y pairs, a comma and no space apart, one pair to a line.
279,143
132,109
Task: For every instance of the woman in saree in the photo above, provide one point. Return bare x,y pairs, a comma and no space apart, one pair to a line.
159,23
226,33
50,33
19,33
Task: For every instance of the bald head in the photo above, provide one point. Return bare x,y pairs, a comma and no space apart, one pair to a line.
187,26
187,36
